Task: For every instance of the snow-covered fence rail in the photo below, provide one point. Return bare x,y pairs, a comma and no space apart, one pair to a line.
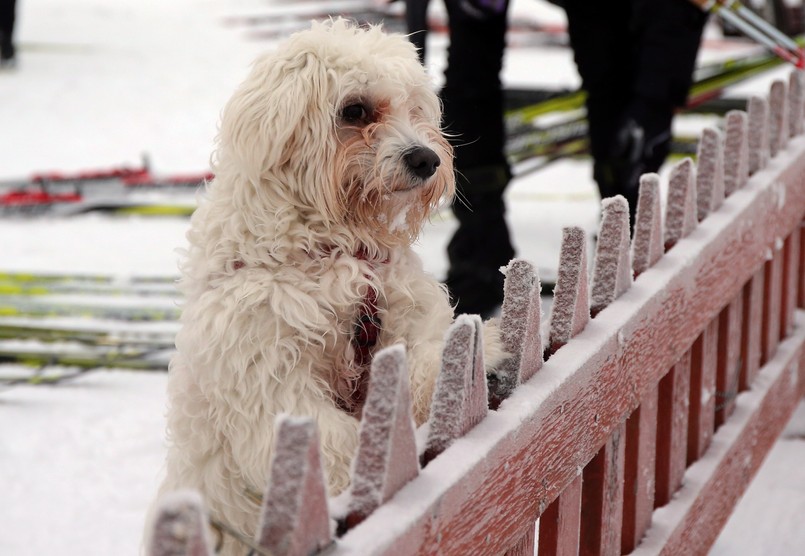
662,386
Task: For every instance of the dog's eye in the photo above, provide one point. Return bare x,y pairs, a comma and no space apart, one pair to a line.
355,113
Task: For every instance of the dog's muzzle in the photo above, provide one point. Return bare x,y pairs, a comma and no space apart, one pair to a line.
422,162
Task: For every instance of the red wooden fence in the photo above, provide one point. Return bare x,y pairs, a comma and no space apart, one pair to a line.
646,422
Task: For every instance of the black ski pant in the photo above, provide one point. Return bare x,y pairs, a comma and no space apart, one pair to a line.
636,60
7,17
473,116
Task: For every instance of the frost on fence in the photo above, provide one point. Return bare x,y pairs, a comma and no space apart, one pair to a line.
796,97
736,152
757,110
778,117
680,213
520,322
571,301
460,398
710,173
612,274
294,519
387,457
647,246
180,527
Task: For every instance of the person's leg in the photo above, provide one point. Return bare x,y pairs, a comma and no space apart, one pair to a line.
473,114
7,17
636,59
602,39
668,34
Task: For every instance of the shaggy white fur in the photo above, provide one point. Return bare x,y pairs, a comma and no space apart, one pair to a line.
329,160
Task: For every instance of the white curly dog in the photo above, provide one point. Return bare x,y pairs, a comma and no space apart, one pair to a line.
329,160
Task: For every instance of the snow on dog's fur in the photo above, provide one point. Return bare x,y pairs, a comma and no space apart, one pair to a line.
329,160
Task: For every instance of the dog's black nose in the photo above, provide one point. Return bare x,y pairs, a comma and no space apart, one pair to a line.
422,161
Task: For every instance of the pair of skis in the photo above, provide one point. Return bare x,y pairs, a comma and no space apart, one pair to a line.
57,327
112,190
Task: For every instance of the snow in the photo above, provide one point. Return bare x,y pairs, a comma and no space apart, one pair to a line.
100,84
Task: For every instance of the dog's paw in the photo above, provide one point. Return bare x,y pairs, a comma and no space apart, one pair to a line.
494,351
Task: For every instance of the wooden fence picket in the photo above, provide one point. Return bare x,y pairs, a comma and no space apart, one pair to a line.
180,527
603,476
571,302
559,526
639,470
681,210
520,321
709,172
757,109
796,103
602,498
295,520
791,256
778,117
772,304
701,416
460,398
729,359
647,245
736,151
387,454
752,329
612,267
672,430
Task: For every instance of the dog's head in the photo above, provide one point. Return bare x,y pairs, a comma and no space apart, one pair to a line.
341,122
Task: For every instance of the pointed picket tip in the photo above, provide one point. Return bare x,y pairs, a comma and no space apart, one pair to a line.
295,520
571,300
180,526
680,213
519,328
612,269
757,110
796,98
778,117
647,245
460,398
709,173
387,457
736,151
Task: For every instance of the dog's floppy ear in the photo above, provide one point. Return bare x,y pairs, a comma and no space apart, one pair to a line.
261,122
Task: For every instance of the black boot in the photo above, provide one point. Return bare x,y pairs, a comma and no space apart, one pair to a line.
481,244
640,145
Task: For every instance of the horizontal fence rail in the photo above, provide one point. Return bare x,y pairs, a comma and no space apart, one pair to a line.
634,425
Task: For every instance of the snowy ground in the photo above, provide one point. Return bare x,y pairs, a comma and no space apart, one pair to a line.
99,84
